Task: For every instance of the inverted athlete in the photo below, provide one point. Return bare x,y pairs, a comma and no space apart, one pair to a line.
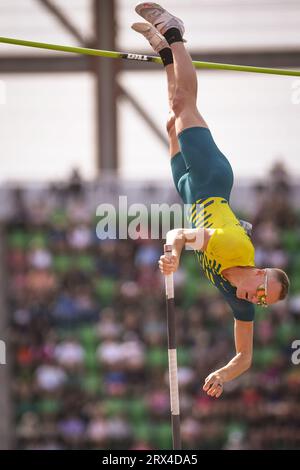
203,177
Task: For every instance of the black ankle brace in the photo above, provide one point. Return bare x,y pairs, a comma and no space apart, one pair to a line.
173,35
166,56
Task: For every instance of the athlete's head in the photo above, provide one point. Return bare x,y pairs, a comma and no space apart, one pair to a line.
264,286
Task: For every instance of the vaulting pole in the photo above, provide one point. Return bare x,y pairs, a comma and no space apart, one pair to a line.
172,355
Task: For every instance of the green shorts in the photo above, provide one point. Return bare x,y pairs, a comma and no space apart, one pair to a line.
200,170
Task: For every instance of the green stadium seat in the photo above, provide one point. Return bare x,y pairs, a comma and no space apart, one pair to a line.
90,360
88,337
295,282
183,356
38,240
105,290
92,383
59,218
17,239
162,436
157,357
62,263
190,264
290,240
48,407
84,263
190,291
137,409
285,333
264,356
114,406
142,431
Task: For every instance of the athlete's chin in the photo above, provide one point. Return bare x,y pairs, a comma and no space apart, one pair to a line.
242,297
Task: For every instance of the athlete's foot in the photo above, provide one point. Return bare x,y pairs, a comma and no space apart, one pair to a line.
156,40
159,17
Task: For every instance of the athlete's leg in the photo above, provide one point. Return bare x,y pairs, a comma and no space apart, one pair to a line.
185,98
209,170
184,101
171,129
160,46
199,170
178,166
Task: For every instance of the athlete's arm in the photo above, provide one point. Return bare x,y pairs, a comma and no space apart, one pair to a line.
194,238
243,335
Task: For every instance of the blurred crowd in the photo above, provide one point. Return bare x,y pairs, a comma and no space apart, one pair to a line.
88,334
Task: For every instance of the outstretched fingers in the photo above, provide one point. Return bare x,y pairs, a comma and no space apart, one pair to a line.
213,385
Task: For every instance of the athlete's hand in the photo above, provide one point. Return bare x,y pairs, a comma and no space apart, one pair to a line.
168,265
213,385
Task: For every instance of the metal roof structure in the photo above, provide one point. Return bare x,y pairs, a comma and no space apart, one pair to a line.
229,31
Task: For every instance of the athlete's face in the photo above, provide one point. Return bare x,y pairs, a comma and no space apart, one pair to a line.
259,290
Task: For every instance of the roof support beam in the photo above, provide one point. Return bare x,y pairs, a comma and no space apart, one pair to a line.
145,116
106,72
62,19
47,63
50,62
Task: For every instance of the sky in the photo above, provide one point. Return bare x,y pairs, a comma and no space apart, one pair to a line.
47,123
